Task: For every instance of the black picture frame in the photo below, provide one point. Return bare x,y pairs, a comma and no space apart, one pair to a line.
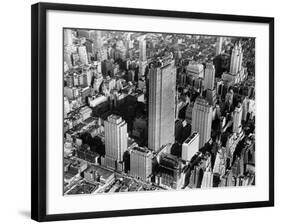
38,108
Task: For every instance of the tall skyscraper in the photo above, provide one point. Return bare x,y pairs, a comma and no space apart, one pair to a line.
83,54
190,146
209,84
202,120
142,48
244,108
237,117
161,108
142,67
142,59
209,79
115,129
219,45
236,59
141,163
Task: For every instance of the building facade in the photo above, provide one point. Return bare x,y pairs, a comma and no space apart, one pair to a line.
202,120
115,129
219,45
161,111
236,59
140,163
142,59
209,78
82,51
237,118
190,146
170,171
209,84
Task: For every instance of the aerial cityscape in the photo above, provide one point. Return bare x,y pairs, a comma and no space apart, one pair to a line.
157,111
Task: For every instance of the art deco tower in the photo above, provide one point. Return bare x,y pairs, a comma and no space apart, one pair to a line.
202,120
236,59
161,108
209,84
209,79
115,130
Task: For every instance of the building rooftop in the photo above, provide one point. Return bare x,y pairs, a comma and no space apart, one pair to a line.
169,160
195,67
190,137
163,61
90,120
85,109
104,173
83,188
142,149
116,119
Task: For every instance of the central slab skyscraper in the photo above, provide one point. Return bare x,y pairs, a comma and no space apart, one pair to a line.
161,108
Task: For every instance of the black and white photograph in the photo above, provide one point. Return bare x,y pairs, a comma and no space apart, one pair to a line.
129,111
148,111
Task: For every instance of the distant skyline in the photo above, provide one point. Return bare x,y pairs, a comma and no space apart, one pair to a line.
141,32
